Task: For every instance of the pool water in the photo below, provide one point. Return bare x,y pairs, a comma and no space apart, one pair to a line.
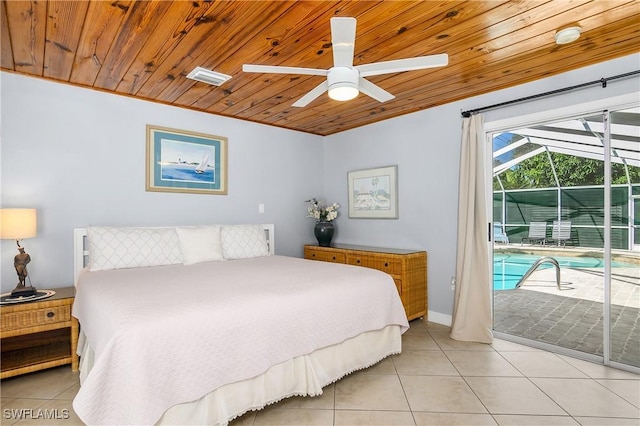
508,268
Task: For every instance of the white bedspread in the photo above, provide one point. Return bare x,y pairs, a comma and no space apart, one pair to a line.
171,334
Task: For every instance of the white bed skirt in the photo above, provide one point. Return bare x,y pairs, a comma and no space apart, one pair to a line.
304,375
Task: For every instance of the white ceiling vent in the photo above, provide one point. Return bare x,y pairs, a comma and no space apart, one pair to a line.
207,76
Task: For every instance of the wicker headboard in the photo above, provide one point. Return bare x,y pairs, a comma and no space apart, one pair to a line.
81,247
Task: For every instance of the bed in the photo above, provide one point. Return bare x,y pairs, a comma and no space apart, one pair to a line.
198,325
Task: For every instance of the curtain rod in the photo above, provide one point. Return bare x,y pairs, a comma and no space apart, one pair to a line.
602,81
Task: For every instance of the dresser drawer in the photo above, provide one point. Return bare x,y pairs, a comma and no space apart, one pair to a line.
390,265
325,256
36,317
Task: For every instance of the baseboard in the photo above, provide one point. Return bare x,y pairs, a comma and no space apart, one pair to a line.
438,318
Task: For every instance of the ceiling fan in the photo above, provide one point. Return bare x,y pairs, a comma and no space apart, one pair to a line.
344,81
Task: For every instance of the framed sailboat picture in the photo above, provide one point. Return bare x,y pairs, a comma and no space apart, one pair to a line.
181,161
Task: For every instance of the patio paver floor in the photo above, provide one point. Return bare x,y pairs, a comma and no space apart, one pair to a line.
573,316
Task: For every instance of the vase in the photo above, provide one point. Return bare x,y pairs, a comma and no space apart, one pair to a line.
324,232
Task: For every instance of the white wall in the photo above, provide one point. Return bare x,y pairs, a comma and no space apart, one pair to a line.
426,146
78,157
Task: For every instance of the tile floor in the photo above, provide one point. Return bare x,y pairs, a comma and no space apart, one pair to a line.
435,381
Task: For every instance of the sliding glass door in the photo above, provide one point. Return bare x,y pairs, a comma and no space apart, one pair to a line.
566,275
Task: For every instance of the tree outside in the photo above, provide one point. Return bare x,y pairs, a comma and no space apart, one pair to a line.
536,172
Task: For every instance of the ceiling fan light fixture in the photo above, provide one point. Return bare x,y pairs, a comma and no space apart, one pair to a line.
207,76
343,83
343,92
568,35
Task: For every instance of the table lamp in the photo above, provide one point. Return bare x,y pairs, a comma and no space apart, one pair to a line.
17,224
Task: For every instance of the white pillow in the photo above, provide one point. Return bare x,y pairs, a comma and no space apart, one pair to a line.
118,248
200,244
243,241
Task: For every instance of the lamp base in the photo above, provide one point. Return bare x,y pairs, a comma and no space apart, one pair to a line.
23,291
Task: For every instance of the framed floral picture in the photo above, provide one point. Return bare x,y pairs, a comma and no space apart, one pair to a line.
181,161
373,193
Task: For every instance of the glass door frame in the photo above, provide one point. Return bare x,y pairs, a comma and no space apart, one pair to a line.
603,106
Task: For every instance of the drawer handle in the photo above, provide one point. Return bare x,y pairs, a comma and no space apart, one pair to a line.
358,261
386,264
313,255
334,258
51,314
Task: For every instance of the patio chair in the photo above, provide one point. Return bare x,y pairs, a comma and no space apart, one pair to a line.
498,235
561,232
537,233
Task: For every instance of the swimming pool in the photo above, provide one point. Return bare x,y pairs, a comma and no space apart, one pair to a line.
508,268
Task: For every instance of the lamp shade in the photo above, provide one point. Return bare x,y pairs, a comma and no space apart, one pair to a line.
16,224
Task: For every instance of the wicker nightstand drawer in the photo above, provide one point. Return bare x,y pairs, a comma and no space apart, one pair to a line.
51,315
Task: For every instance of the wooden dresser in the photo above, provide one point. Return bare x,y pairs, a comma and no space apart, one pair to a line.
38,335
407,267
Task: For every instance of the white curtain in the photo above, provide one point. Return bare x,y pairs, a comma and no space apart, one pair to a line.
472,305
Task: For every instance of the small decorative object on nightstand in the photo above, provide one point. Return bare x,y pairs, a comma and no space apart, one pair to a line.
38,335
17,224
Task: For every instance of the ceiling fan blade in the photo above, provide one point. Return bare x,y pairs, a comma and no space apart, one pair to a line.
312,95
274,69
343,39
376,92
399,65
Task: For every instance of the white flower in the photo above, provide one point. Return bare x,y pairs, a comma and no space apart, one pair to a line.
322,212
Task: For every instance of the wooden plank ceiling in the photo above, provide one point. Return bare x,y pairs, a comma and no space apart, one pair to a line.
145,49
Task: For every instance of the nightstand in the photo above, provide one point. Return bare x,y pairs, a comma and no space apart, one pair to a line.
38,335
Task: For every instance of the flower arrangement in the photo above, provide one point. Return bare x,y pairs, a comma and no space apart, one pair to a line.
321,212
